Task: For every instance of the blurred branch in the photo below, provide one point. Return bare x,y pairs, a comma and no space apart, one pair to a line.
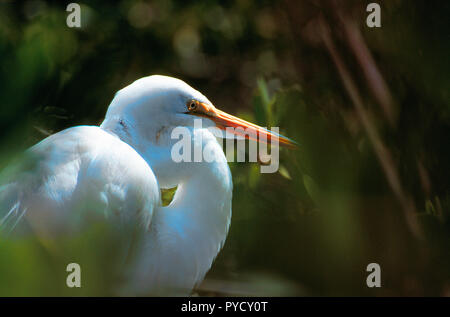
382,152
364,57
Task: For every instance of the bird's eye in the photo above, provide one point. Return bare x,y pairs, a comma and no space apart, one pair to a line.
192,105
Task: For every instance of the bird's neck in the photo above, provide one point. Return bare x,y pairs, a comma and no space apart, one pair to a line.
184,238
190,232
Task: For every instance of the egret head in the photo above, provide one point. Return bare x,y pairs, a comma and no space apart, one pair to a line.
152,103
145,113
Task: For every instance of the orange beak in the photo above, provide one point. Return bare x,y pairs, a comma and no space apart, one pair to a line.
241,127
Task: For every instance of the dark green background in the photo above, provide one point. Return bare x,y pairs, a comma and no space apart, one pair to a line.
310,229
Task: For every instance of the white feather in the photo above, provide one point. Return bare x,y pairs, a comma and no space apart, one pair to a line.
110,170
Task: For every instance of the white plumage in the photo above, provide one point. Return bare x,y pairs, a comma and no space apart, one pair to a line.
117,170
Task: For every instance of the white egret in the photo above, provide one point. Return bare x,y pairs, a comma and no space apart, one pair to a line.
117,170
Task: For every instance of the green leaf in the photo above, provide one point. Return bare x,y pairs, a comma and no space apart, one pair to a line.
284,172
311,188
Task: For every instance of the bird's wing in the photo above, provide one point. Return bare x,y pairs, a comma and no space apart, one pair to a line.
78,170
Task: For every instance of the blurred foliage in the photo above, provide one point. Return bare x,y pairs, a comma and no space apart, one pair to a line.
313,227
